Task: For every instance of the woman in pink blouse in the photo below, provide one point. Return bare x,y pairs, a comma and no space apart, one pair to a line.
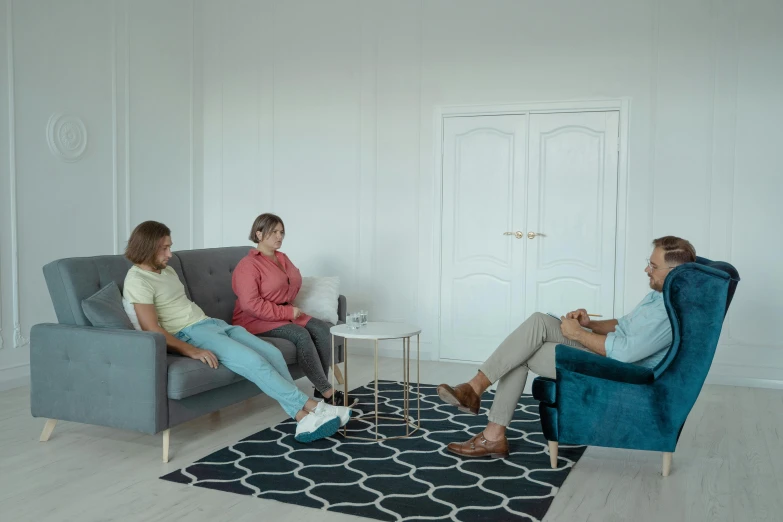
266,283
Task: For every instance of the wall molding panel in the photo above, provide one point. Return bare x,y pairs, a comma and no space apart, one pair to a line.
203,115
19,339
81,150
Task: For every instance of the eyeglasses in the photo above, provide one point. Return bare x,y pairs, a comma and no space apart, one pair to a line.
654,268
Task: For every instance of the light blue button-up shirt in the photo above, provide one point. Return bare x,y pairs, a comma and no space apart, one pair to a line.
643,336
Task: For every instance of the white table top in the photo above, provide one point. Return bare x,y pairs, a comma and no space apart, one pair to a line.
376,330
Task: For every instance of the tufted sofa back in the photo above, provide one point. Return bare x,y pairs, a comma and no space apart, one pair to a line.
206,275
208,278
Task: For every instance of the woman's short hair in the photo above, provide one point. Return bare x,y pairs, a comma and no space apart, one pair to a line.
265,223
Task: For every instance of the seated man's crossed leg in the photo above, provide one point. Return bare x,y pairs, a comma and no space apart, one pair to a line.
530,346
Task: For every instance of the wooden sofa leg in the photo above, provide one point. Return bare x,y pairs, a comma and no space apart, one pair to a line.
166,445
338,374
667,464
48,429
553,454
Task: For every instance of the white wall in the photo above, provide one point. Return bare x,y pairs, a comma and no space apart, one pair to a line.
125,69
324,113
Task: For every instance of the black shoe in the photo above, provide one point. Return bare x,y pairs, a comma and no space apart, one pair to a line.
337,398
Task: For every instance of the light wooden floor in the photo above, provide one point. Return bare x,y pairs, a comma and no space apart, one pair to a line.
728,465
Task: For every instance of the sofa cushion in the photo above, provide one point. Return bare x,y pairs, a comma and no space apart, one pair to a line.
189,377
319,297
208,276
130,311
74,279
104,308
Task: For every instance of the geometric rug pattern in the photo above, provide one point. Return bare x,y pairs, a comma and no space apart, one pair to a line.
397,480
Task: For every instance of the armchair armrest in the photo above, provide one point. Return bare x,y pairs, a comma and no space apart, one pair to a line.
586,363
99,376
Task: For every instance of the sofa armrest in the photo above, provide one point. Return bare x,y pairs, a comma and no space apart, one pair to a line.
100,376
342,305
586,363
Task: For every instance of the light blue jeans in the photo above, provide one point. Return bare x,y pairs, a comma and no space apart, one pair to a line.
245,354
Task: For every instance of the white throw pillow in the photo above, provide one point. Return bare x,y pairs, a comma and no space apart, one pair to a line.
318,297
131,311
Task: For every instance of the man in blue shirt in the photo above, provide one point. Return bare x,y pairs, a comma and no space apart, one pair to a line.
642,337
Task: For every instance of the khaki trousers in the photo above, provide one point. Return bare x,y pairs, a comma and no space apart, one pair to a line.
530,346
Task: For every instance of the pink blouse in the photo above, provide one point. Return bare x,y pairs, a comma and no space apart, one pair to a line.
265,293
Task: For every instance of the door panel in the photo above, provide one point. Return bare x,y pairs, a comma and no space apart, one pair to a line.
572,204
482,273
552,175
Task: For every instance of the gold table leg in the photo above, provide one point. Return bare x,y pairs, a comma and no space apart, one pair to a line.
345,378
406,362
376,389
333,363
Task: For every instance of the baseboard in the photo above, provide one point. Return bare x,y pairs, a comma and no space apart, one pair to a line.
14,376
747,382
720,373
746,376
362,347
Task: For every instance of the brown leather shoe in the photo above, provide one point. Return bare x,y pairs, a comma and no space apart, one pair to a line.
478,446
462,396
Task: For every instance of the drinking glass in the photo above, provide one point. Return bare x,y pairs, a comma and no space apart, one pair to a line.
354,321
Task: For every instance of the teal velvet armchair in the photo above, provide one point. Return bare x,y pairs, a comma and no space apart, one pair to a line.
597,401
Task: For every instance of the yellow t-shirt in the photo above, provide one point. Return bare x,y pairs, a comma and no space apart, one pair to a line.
167,293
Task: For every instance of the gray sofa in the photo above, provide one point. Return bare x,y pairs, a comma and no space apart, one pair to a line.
125,378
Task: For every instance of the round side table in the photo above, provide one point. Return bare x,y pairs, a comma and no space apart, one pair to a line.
377,331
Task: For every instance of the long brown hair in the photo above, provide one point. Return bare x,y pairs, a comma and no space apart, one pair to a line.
143,243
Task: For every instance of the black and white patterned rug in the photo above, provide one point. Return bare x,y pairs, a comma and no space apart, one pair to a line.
403,479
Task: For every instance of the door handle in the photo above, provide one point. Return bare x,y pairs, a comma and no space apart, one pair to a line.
517,234
531,235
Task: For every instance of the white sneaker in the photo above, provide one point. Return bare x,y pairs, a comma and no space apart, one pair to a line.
314,427
328,410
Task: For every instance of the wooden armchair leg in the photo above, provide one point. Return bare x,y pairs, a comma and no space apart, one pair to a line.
667,464
553,453
48,429
338,374
166,435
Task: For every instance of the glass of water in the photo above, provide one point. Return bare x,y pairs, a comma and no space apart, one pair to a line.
354,321
363,317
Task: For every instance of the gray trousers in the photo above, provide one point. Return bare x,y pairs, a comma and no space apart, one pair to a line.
313,349
530,346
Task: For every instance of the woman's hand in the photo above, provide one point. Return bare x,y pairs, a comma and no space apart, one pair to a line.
297,313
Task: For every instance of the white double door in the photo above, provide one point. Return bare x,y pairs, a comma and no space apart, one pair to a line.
528,225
